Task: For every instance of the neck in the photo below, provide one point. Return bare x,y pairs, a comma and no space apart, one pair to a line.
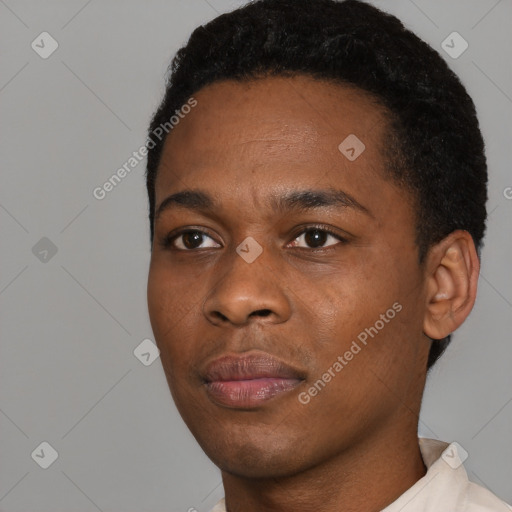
366,477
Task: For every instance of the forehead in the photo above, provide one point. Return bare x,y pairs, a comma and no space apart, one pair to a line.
275,130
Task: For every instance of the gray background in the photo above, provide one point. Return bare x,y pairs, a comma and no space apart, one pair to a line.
70,323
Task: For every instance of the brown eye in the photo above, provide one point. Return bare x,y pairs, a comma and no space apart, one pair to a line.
192,239
314,238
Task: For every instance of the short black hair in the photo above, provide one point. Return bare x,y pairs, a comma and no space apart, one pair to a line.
433,148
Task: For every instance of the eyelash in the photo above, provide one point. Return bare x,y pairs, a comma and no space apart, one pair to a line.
168,241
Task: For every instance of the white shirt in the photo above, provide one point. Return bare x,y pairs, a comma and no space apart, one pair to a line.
444,488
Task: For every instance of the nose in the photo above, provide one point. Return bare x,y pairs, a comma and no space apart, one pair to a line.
247,292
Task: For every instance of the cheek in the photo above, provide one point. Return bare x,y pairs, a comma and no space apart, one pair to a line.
383,340
171,306
159,300
169,312
370,304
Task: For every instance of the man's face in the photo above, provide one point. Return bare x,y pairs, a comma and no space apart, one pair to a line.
249,341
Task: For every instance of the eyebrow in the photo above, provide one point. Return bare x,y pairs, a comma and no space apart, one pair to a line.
300,200
310,199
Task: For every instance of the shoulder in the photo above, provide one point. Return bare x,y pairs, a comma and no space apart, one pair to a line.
480,499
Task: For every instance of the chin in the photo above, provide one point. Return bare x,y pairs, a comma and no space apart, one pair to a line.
254,453
249,461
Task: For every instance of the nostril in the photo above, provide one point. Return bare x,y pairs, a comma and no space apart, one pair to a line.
219,315
261,312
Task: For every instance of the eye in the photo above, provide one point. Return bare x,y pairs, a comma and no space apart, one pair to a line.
189,240
316,237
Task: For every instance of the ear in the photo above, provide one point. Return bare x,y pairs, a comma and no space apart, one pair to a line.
452,274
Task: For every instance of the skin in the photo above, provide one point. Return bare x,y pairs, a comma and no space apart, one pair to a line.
247,144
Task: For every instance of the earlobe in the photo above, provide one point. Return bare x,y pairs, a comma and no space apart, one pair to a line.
453,268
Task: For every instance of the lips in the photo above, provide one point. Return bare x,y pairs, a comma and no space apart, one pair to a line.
248,381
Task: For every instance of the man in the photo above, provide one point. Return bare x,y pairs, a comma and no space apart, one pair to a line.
317,186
